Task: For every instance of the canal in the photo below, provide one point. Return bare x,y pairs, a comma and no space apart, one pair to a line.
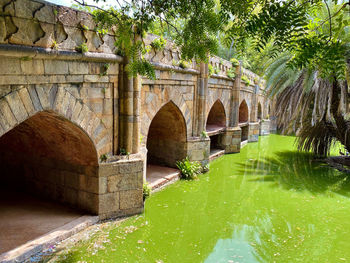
268,203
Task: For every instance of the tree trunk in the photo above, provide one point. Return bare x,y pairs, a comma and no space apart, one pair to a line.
341,124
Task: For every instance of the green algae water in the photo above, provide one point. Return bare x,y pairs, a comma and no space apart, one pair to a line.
268,203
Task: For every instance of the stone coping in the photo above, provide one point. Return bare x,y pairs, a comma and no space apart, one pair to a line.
28,52
43,242
166,67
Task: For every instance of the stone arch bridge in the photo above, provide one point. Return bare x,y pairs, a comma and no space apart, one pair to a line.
66,118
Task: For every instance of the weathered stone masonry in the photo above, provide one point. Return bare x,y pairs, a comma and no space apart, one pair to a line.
66,116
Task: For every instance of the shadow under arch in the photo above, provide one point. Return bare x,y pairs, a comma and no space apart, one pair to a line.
49,156
166,139
217,117
243,112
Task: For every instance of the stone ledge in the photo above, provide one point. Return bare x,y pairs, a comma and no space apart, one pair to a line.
21,253
18,51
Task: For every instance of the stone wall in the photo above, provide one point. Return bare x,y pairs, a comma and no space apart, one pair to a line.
253,132
122,192
264,127
41,72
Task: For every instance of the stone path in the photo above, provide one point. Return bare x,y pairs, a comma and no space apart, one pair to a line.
24,218
159,176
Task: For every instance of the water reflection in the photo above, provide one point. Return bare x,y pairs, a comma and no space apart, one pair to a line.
297,171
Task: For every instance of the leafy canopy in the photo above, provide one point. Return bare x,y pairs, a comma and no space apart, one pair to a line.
196,27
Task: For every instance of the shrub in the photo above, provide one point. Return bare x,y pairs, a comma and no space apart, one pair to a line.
235,62
159,44
83,48
246,80
231,73
122,151
189,169
204,134
103,158
183,64
146,190
210,70
216,70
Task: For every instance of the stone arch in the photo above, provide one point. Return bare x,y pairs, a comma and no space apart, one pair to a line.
50,157
222,95
21,104
243,112
166,138
154,102
216,116
260,112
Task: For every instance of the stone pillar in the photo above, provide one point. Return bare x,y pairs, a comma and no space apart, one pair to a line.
254,106
136,115
254,125
115,98
230,140
130,107
201,98
234,111
126,110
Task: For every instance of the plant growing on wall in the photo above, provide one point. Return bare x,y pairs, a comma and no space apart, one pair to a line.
204,134
159,43
189,169
83,48
235,62
103,158
216,70
246,80
146,190
231,73
211,70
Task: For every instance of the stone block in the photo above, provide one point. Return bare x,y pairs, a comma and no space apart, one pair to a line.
95,78
34,67
7,119
125,182
10,66
108,169
89,202
17,106
27,102
108,203
46,14
26,9
42,92
131,199
78,68
96,185
56,67
75,78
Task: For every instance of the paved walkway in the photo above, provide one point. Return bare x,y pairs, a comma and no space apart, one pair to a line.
24,218
159,176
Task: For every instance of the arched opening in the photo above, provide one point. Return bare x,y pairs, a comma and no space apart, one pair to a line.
243,120
216,124
243,112
47,169
259,112
166,141
216,117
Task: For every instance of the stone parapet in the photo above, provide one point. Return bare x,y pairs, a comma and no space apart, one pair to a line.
253,135
122,193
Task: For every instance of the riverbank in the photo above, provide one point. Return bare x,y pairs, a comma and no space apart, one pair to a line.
268,203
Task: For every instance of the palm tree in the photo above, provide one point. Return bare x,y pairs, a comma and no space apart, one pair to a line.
310,103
